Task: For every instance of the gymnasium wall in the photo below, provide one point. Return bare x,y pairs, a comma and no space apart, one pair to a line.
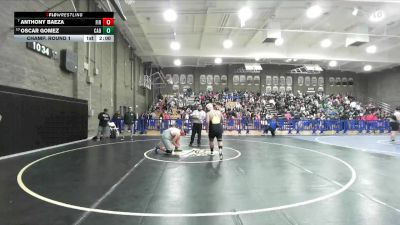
384,86
114,86
357,89
31,120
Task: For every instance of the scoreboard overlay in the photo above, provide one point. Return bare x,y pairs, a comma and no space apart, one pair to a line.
64,26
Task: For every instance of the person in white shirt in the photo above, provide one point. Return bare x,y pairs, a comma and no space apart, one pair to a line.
169,141
394,124
198,117
397,114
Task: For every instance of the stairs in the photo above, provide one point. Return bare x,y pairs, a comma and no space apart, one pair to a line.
385,107
271,109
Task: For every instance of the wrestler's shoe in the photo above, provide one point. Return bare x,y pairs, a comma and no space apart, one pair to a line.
156,149
221,156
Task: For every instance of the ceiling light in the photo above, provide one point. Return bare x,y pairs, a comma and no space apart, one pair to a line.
279,42
175,45
355,11
244,15
170,15
288,60
218,60
314,12
227,43
371,49
257,58
367,68
326,43
333,63
294,60
177,62
377,16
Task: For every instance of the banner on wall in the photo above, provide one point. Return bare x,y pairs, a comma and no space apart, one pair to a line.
224,80
146,81
185,88
203,79
275,89
310,90
235,80
282,80
289,81
243,79
307,81
183,79
282,89
350,81
190,79
320,81
338,81
210,79
275,80
344,81
320,89
209,87
175,87
168,77
331,81
268,80
300,80
289,89
314,81
256,80
217,79
249,80
268,89
175,78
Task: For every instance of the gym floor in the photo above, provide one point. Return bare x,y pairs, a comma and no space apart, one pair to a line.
338,180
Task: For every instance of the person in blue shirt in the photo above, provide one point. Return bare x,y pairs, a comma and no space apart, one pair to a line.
271,126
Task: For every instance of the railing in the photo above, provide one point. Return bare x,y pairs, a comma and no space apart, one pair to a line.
291,126
385,106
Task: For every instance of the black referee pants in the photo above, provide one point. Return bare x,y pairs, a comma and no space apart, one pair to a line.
196,129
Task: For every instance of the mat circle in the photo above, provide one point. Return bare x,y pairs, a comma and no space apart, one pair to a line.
206,214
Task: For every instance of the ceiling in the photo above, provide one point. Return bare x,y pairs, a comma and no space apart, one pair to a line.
202,26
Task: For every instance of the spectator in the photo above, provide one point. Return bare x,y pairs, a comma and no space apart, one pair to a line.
129,122
103,129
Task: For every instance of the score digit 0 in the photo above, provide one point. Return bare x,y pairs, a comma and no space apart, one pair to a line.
108,21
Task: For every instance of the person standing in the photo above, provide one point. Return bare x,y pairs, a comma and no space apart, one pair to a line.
397,114
394,121
394,127
214,128
198,117
129,122
103,128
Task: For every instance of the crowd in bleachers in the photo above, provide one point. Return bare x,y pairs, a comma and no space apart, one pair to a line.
245,104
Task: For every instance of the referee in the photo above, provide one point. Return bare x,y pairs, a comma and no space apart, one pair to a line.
198,117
